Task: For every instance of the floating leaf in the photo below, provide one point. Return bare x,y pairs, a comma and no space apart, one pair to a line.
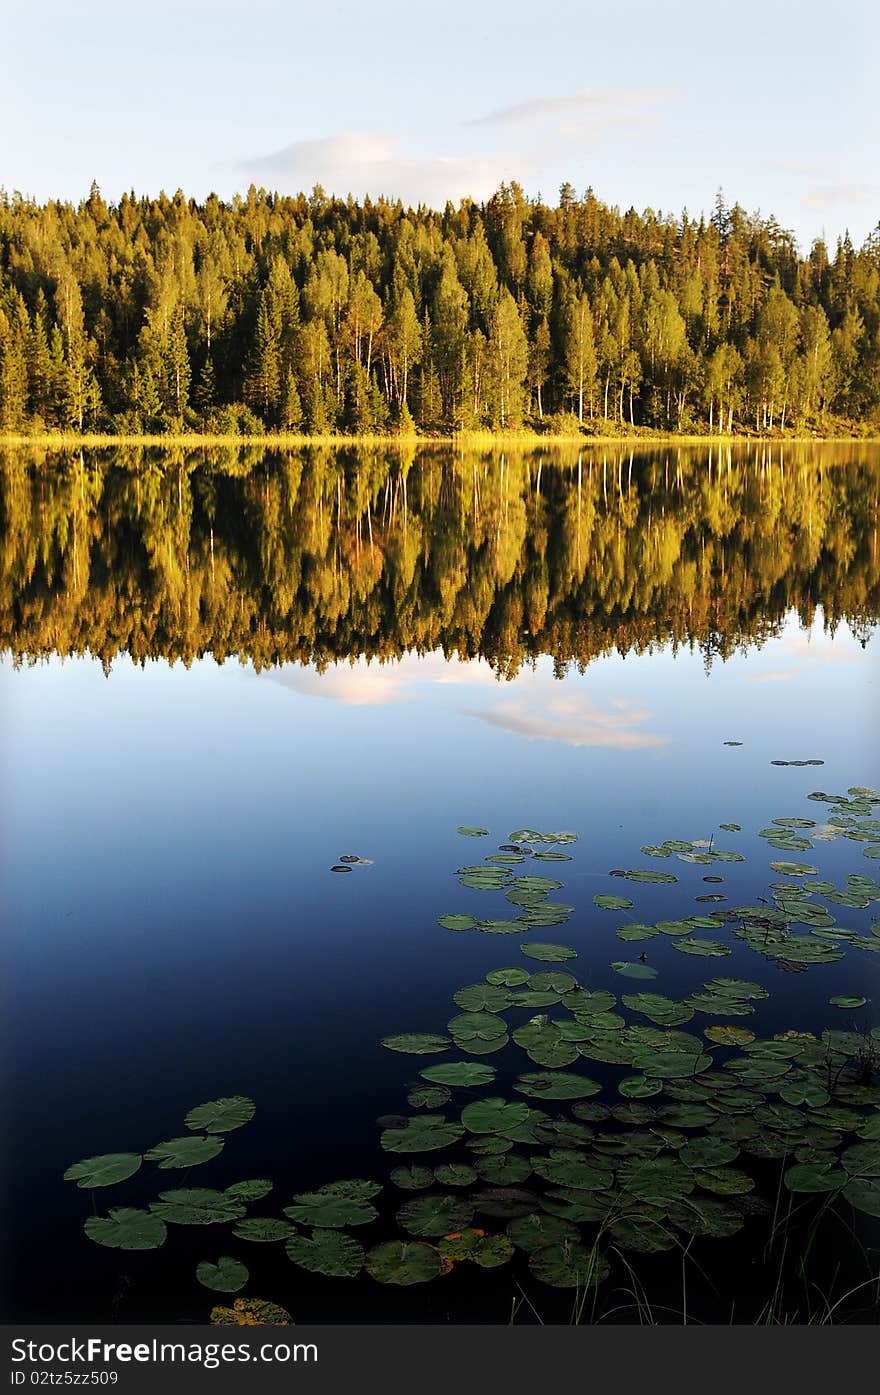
457,922
851,1000
729,1036
488,1251
185,1152
493,1115
221,1116
556,1085
104,1170
471,1073
454,1175
508,978
612,903
126,1229
336,1205
226,1276
250,1312
417,1043
568,1265
633,969
262,1230
435,1214
197,1206
428,1097
252,1190
327,1252
404,1262
422,1134
639,1087
815,1177
412,1179
472,832
551,954
709,949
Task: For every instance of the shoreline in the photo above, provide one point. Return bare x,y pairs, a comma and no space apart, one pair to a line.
532,439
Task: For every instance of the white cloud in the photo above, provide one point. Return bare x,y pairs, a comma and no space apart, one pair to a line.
361,162
591,107
573,718
824,197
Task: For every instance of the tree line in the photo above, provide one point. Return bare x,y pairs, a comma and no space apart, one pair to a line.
320,315
328,555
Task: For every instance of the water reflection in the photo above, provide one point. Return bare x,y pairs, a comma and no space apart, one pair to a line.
321,555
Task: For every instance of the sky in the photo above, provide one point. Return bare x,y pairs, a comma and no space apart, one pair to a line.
653,105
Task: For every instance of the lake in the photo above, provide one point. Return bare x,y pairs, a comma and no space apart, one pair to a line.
250,699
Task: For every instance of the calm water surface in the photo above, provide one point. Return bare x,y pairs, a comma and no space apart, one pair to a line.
222,673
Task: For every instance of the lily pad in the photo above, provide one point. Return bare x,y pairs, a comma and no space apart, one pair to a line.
639,1087
551,954
848,1000
417,1043
252,1190
197,1206
494,1115
327,1252
104,1170
557,1085
404,1262
488,1251
185,1152
457,922
433,1215
612,903
220,1116
568,1265
126,1229
633,969
471,1073
262,1230
412,1179
472,832
422,1134
228,1275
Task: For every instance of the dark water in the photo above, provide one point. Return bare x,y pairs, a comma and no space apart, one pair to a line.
220,673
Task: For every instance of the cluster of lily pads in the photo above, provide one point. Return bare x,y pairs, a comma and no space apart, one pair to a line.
607,1129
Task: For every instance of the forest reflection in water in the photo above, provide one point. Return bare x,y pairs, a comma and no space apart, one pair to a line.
323,554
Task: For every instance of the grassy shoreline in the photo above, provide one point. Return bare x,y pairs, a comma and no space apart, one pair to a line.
66,440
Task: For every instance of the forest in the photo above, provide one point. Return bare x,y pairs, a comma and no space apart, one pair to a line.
327,555
321,316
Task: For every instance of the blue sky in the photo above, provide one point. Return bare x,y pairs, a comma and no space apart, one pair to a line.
653,104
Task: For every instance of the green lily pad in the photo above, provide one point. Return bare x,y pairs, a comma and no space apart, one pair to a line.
494,1115
639,1087
412,1179
725,1181
551,954
556,1085
422,1134
536,1231
508,978
104,1170
417,1043
504,1169
185,1152
197,1206
252,1190
432,1215
488,1251
804,1091
403,1262
637,932
470,1073
568,1168
729,1036
327,1252
457,922
850,1000
428,1097
262,1230
126,1229
568,1265
220,1116
472,832
454,1175
612,903
633,969
707,1152
864,1195
336,1205
708,949
815,1177
228,1275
